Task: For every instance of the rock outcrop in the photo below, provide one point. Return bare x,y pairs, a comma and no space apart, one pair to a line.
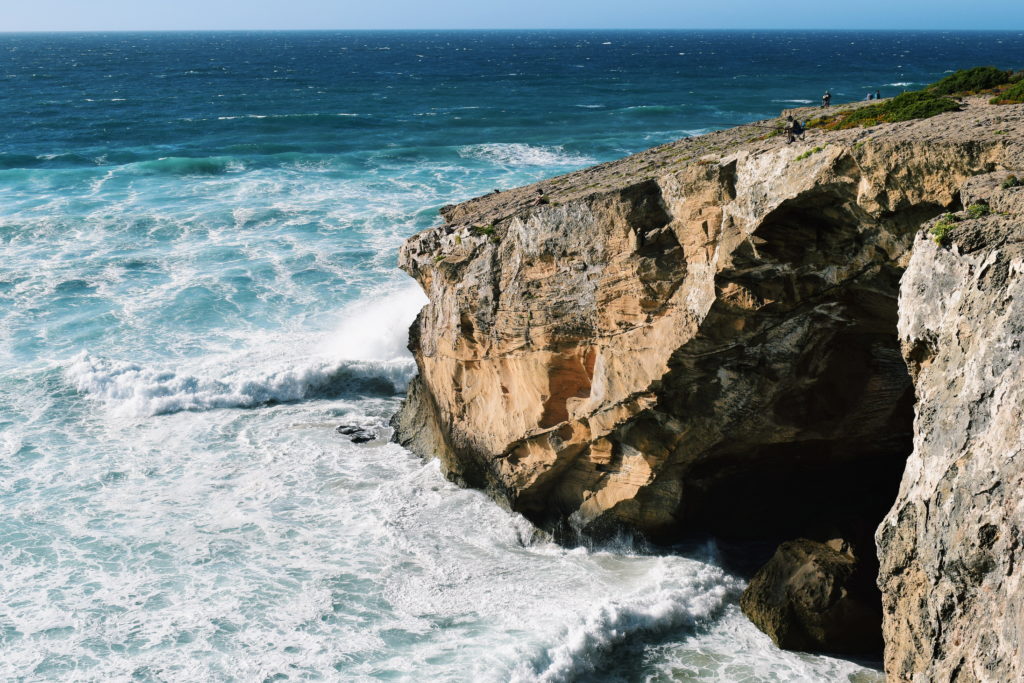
817,597
952,548
703,339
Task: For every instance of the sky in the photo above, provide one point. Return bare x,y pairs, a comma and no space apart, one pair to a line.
122,15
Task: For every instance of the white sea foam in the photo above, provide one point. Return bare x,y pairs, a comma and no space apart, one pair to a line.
135,390
365,355
900,84
793,101
519,154
678,596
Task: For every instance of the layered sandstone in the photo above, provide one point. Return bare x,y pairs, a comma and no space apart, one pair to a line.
703,338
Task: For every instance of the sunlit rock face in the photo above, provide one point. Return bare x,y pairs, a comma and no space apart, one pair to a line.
710,337
952,548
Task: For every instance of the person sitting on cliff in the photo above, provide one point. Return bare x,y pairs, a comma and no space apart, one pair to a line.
793,130
826,99
540,198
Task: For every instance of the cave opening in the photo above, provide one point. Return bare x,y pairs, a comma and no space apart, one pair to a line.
819,399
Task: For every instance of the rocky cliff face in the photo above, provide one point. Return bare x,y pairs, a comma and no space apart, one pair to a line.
701,338
952,547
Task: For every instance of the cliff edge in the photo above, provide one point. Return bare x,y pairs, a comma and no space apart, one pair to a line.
706,337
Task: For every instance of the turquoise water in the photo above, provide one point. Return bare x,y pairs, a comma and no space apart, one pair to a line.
198,284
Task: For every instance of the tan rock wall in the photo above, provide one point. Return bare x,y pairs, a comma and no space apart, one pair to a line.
952,548
584,356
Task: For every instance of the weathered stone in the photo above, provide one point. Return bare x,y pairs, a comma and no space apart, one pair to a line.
703,338
817,597
951,549
631,355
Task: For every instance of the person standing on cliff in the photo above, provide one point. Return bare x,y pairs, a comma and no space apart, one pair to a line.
826,99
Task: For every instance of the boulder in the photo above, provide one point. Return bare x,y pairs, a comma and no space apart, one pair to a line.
817,597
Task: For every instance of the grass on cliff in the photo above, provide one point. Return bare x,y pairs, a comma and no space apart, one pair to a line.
974,80
940,231
920,104
1012,95
931,101
813,150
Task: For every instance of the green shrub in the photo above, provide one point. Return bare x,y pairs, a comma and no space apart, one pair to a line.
1012,95
940,231
808,153
972,80
978,210
920,104
1011,181
481,230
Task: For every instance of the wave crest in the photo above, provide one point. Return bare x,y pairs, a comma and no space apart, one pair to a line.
520,154
190,165
680,600
140,391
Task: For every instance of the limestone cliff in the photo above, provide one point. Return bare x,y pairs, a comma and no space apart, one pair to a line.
952,548
700,338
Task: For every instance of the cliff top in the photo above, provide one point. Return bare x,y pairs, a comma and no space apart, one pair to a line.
976,121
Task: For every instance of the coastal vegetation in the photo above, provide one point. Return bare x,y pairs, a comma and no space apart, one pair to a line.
919,104
1012,95
978,210
978,79
813,150
932,100
940,231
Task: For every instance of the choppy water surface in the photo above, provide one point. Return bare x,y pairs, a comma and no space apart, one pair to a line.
198,284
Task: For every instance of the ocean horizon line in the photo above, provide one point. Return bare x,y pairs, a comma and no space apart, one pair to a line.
508,30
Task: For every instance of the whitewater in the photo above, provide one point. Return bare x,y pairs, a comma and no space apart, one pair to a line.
198,286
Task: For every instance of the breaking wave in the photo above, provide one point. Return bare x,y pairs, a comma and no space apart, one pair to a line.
519,154
190,165
683,598
366,355
138,391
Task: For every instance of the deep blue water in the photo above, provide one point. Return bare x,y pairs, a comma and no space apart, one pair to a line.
197,284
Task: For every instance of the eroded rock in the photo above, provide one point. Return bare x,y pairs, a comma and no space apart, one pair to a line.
703,338
622,357
951,548
817,597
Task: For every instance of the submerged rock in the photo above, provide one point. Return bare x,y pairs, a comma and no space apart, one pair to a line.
817,597
357,434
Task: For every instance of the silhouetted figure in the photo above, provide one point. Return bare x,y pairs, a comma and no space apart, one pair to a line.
793,130
826,99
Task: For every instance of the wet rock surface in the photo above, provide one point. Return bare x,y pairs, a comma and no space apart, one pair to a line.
358,434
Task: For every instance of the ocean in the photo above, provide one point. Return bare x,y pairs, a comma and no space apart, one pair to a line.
198,284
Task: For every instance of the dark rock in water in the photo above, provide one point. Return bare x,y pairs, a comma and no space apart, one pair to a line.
816,597
357,434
